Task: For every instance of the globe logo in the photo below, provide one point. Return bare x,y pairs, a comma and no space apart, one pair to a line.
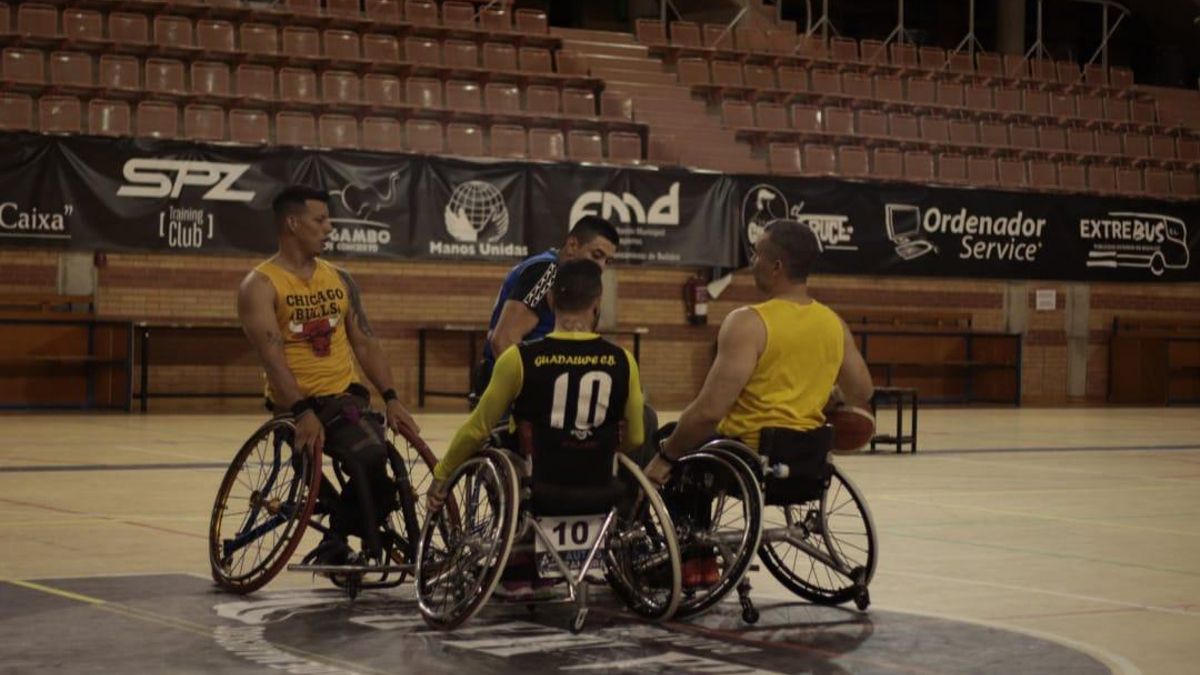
476,212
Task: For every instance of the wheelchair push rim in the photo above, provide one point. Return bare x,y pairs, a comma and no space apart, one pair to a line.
410,460
735,530
262,508
460,559
838,527
642,552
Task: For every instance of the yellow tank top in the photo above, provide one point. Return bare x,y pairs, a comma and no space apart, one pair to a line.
794,374
311,316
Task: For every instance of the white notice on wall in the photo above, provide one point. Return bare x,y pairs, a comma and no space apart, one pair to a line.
1047,300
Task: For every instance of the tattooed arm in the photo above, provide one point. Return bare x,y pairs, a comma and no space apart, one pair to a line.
370,354
256,312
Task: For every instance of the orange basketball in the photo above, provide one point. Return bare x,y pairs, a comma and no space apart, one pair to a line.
853,428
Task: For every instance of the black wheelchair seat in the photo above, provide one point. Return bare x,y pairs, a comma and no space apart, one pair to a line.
556,499
806,456
571,477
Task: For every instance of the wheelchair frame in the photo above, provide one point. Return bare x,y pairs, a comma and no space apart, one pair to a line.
831,554
501,463
297,514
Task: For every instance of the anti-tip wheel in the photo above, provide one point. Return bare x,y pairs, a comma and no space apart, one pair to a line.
863,600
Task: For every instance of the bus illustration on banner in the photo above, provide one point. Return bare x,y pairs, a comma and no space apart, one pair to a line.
1139,240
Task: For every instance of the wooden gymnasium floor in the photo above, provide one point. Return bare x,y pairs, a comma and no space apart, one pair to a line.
1079,526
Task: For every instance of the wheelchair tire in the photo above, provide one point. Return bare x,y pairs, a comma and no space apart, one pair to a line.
419,461
737,564
445,540
646,517
404,525
841,506
279,496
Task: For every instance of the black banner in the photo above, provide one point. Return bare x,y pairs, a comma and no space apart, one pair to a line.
95,193
895,229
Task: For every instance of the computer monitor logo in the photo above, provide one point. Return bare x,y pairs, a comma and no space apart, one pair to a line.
904,229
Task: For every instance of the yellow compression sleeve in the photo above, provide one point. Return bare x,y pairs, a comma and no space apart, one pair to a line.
635,427
507,378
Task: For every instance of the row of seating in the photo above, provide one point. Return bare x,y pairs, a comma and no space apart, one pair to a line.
265,43
772,121
846,53
27,66
719,80
851,161
42,21
263,85
209,123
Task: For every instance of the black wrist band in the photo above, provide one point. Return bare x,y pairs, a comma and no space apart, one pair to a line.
302,406
390,395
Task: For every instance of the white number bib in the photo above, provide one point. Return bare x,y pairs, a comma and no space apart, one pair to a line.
569,533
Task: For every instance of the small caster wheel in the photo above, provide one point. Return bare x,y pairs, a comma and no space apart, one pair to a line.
353,586
750,615
577,622
859,575
863,600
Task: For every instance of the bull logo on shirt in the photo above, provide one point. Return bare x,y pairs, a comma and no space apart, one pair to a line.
318,333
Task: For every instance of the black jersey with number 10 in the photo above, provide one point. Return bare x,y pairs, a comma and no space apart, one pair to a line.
574,393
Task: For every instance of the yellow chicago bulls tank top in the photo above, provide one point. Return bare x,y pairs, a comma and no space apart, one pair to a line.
311,315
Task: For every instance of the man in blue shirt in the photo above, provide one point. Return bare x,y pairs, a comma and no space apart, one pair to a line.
522,311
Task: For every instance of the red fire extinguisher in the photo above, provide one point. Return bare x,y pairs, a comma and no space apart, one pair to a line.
695,300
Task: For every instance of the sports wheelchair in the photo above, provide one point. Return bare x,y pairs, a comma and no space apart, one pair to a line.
272,493
608,519
804,517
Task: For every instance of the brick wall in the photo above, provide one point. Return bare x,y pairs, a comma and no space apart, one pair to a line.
28,270
400,296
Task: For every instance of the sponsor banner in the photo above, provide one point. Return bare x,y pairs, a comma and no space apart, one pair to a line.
666,217
469,210
892,229
142,195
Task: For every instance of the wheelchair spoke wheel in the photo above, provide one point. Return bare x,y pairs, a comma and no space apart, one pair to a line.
402,530
418,462
459,560
642,553
716,505
839,526
262,508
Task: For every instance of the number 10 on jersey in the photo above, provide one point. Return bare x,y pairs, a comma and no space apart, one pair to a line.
591,404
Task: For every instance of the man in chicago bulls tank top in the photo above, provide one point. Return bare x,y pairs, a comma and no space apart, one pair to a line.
305,319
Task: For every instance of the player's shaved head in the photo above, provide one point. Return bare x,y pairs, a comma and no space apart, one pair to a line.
793,244
577,286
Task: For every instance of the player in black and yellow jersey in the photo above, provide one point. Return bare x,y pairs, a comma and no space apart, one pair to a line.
776,363
305,318
571,391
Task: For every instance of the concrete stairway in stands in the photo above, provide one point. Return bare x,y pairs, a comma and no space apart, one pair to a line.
679,123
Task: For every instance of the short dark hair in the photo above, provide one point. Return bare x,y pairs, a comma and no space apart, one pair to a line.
576,286
796,246
588,228
292,198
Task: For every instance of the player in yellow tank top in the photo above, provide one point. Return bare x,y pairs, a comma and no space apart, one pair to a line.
777,361
306,320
